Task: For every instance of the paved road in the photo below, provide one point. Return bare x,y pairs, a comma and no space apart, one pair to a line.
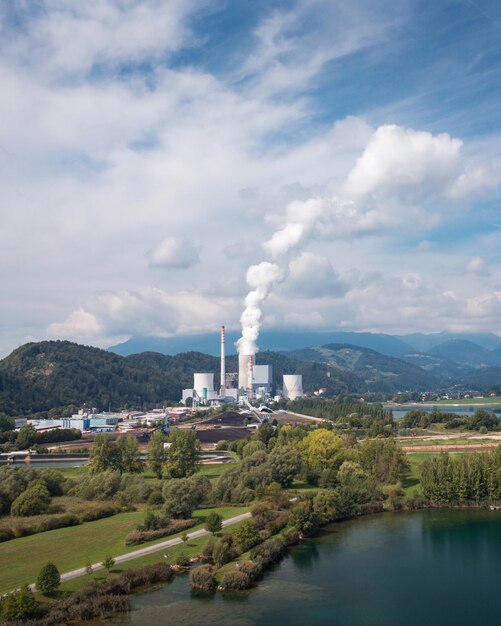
150,549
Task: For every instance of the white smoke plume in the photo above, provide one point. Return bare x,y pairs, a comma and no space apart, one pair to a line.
261,278
399,169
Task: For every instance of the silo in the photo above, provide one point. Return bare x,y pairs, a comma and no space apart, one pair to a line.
204,381
293,386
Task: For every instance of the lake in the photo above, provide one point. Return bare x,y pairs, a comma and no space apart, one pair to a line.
395,569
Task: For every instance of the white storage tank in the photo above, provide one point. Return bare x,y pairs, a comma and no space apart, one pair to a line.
293,386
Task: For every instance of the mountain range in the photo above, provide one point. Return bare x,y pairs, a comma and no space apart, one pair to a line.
38,377
280,341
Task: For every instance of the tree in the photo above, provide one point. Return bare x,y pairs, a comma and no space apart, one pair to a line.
127,455
48,579
182,495
88,569
108,562
285,463
35,500
19,605
304,518
156,453
214,522
320,448
6,423
246,536
26,436
384,459
183,453
102,454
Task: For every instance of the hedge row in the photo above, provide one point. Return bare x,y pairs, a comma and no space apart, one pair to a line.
25,527
175,526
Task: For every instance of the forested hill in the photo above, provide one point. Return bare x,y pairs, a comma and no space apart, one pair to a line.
38,377
377,371
48,375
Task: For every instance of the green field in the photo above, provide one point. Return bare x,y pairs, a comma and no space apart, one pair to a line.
73,547
466,401
191,548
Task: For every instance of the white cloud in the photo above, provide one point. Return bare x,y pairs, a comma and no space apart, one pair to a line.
173,253
407,163
312,276
476,265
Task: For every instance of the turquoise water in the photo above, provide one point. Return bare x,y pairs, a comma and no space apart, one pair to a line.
396,569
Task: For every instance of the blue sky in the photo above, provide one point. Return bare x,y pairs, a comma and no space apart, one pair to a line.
149,149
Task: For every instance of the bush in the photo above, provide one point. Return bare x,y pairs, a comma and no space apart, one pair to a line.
223,551
19,605
207,551
291,536
108,562
246,536
175,526
236,580
202,578
250,569
48,579
214,522
33,501
155,498
183,560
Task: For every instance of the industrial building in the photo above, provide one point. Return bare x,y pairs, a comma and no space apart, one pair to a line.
252,382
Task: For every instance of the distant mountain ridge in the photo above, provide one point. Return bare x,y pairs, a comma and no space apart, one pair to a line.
280,341
378,371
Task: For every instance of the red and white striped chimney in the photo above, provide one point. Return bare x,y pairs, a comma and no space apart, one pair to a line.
222,391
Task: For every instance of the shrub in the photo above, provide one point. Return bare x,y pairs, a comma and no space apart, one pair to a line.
235,580
155,498
108,562
250,569
214,522
223,550
291,536
246,536
183,560
207,551
202,578
33,501
19,605
136,537
48,579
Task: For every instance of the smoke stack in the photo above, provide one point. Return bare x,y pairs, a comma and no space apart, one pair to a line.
222,391
250,377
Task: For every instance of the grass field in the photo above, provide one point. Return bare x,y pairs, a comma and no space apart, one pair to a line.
70,548
191,548
467,401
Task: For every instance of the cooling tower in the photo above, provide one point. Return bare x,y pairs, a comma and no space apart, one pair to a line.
243,371
204,385
293,386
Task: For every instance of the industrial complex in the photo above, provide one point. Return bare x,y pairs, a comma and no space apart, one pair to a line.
251,383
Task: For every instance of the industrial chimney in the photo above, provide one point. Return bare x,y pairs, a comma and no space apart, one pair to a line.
250,379
222,391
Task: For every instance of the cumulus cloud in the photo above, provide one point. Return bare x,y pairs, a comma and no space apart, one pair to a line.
476,265
405,162
312,276
173,253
